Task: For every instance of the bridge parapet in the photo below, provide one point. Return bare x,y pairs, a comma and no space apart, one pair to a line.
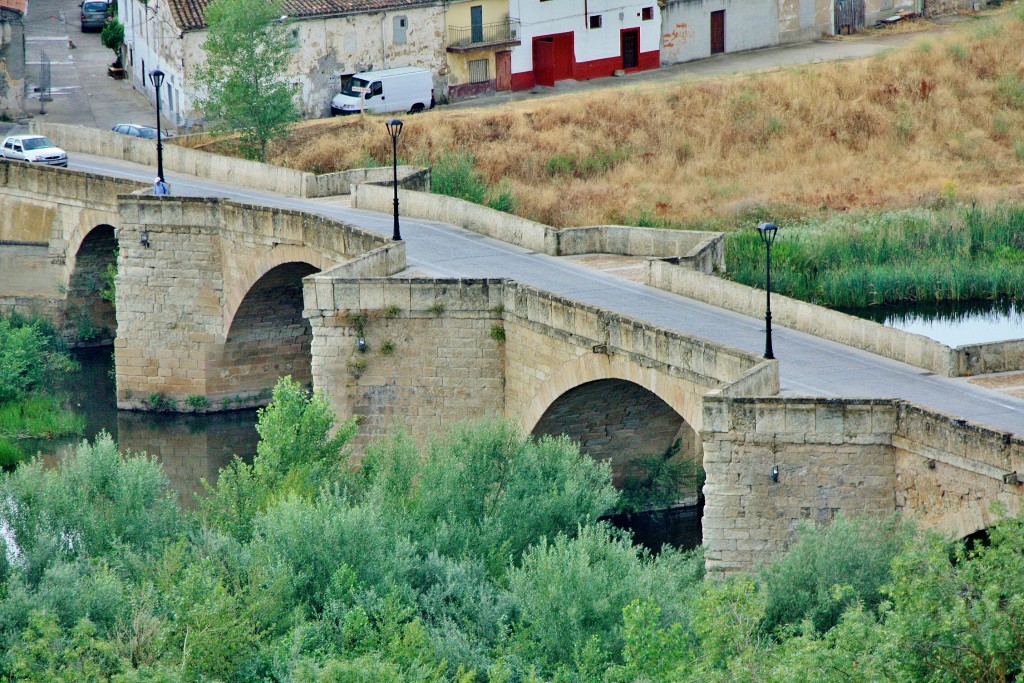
845,456
439,351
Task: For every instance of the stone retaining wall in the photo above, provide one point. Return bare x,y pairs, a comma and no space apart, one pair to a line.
260,176
409,178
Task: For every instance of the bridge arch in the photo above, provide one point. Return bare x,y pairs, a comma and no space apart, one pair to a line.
621,422
619,411
89,318
681,395
244,268
267,338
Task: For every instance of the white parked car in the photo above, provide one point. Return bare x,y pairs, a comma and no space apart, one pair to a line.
34,148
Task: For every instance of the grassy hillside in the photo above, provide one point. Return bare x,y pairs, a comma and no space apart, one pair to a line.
939,122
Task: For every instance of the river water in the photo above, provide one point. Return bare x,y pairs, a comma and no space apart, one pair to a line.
953,323
195,447
190,447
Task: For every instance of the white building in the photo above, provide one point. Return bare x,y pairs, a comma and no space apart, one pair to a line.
568,39
334,39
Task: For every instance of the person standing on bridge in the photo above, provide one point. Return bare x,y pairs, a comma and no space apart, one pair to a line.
160,187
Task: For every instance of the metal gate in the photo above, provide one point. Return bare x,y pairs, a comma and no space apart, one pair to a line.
849,16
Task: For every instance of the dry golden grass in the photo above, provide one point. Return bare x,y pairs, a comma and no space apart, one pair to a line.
944,118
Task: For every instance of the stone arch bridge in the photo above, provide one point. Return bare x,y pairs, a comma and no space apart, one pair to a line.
216,299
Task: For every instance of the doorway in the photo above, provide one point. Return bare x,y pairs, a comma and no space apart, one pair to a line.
544,61
630,45
718,32
503,70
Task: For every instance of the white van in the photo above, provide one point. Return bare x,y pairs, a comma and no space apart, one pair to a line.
405,88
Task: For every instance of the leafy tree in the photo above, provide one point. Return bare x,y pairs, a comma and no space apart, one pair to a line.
242,86
296,455
112,38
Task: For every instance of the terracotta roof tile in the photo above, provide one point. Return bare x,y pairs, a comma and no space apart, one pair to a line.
16,5
188,14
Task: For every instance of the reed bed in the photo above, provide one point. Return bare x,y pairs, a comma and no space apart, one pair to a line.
954,254
906,128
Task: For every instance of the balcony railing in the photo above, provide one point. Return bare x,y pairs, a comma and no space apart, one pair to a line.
461,38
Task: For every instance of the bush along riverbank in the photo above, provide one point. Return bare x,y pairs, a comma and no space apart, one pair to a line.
958,253
475,558
33,362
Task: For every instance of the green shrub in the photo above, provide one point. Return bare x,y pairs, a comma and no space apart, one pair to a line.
453,174
94,502
830,568
30,358
10,454
487,491
197,402
571,593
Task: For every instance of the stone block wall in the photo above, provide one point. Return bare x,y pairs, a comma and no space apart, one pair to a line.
955,476
850,456
169,299
431,358
831,456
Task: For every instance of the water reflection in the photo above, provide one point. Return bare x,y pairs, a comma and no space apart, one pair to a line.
190,447
679,527
954,324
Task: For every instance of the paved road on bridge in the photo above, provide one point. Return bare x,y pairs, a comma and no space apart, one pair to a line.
808,365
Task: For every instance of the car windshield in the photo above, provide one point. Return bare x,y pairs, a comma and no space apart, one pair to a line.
36,143
354,83
148,133
94,7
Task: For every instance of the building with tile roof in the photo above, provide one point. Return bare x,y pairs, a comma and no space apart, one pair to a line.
12,57
334,38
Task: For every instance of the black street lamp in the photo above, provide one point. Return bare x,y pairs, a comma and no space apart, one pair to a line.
767,232
395,129
157,77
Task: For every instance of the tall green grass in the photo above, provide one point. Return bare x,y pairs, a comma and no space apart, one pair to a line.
921,255
454,174
39,416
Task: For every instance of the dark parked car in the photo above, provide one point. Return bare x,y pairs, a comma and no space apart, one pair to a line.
138,131
95,14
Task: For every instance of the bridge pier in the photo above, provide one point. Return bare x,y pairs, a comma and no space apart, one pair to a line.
170,300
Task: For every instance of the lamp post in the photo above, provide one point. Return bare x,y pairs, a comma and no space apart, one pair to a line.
157,78
395,129
767,232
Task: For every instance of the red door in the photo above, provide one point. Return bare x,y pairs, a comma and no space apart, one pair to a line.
503,70
718,32
564,56
544,61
